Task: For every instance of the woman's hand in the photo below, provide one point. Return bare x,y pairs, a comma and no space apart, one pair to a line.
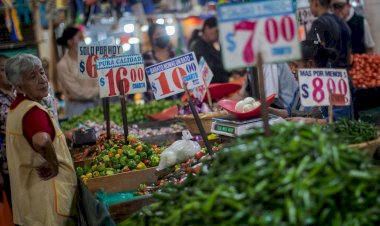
46,171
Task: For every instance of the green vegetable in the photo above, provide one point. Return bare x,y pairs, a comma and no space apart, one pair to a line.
131,164
131,153
143,156
101,167
302,175
86,169
354,132
106,158
141,165
155,160
109,172
79,171
137,158
96,174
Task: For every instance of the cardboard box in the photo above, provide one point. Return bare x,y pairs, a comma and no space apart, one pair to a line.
123,181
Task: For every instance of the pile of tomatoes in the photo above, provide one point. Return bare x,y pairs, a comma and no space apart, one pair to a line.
365,71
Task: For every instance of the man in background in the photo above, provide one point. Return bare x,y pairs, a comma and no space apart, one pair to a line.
361,37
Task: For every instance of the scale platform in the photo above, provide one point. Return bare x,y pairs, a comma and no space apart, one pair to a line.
232,127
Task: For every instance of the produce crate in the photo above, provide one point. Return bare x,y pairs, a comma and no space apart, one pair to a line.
369,147
123,181
123,210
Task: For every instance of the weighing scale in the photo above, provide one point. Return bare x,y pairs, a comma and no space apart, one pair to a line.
232,127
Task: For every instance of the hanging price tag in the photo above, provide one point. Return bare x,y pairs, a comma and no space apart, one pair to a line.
88,56
126,68
315,85
166,77
268,27
200,91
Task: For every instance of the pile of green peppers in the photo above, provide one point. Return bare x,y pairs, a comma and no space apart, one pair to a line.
135,113
300,175
354,132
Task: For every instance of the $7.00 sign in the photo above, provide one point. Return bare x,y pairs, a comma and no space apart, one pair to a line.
315,86
88,56
266,27
129,69
166,78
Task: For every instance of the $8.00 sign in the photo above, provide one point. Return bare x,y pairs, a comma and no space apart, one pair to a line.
266,27
129,69
316,84
88,56
166,78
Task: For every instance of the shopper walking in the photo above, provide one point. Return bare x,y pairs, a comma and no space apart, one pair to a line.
80,94
361,37
42,175
331,31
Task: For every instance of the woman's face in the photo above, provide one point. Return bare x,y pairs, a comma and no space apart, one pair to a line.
74,42
211,34
298,64
3,79
160,38
34,83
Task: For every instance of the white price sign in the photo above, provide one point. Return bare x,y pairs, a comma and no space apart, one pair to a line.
88,56
128,69
315,86
266,27
305,16
207,75
166,78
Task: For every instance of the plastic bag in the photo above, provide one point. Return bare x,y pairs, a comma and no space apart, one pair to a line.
5,212
179,151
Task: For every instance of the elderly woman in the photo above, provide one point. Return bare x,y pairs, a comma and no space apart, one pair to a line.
42,175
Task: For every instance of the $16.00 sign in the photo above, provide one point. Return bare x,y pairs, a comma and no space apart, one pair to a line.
88,56
266,27
166,78
315,86
126,68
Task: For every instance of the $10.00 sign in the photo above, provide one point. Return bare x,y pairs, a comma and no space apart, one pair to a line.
315,86
128,69
266,27
88,56
166,78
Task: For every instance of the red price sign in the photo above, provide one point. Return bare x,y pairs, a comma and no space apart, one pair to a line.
316,84
128,69
88,55
167,78
249,28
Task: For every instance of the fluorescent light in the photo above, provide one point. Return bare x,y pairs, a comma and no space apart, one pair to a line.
170,30
134,40
129,28
117,41
126,47
144,28
160,21
88,40
169,20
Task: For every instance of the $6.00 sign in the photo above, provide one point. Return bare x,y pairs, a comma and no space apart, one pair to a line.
266,27
316,84
166,78
128,69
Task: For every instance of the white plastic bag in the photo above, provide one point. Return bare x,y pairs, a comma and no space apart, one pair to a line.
179,151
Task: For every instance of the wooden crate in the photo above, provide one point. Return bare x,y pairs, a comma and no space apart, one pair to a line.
123,181
123,210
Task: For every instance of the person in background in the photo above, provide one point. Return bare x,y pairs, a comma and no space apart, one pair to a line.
40,166
161,48
204,47
314,55
361,37
80,94
6,98
331,31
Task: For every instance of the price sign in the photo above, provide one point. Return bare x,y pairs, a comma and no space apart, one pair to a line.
167,78
200,91
126,68
88,56
305,16
315,86
266,27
